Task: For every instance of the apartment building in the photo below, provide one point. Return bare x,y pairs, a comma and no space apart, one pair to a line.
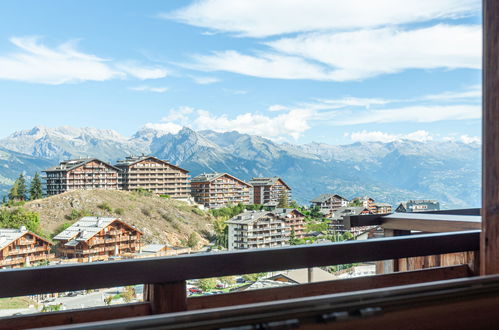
257,229
293,218
20,247
268,191
382,208
366,202
419,205
96,238
155,175
336,218
329,202
80,174
215,190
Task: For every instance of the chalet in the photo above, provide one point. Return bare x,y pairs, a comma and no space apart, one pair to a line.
155,175
95,238
418,206
215,190
20,247
329,202
268,191
81,174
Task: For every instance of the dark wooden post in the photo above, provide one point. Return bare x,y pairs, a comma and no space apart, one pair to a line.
166,297
489,245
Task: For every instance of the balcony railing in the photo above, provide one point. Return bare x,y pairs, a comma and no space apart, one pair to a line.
166,277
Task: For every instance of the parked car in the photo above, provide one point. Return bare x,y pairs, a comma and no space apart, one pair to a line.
220,286
195,290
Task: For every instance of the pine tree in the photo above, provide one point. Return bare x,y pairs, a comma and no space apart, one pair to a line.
14,191
35,190
22,190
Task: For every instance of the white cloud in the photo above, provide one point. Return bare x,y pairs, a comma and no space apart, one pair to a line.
263,18
265,66
144,88
357,55
37,63
290,124
164,127
277,107
417,114
205,80
377,136
142,72
465,138
235,91
474,92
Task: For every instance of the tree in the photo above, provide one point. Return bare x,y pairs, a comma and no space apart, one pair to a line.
35,189
221,232
193,240
207,284
253,277
292,238
283,199
228,280
22,190
13,192
294,205
128,294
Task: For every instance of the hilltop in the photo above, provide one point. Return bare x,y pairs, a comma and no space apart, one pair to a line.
162,220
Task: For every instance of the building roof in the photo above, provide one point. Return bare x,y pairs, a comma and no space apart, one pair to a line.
7,236
71,164
324,197
85,228
248,217
209,177
131,160
382,204
349,210
153,248
301,275
279,211
267,182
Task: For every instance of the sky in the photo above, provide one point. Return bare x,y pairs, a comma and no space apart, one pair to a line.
296,71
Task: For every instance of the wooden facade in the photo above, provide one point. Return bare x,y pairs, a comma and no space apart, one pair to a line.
81,174
94,238
294,219
268,191
215,190
19,247
328,203
155,175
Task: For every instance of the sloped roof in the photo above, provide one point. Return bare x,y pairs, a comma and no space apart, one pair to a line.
284,211
85,228
248,217
153,248
7,236
71,164
267,182
131,160
324,197
209,177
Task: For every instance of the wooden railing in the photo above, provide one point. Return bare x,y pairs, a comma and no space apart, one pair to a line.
165,277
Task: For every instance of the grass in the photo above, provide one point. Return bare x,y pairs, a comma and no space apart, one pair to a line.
15,303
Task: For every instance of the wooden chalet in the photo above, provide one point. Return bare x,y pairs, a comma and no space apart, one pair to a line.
155,175
95,238
268,191
441,268
81,174
20,247
215,190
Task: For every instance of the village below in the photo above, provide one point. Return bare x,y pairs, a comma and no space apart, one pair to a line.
86,210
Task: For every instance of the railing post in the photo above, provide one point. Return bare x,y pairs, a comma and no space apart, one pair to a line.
166,297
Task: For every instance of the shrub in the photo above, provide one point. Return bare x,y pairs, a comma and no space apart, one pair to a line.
146,212
165,196
119,211
193,240
197,211
207,284
105,207
77,214
167,217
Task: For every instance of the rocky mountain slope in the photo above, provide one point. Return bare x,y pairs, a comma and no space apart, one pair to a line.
161,220
390,172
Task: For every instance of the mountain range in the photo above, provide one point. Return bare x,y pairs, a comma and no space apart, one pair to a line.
388,172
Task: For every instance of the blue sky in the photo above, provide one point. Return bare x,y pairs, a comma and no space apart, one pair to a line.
289,70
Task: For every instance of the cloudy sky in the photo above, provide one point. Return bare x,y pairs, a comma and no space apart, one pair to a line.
290,70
